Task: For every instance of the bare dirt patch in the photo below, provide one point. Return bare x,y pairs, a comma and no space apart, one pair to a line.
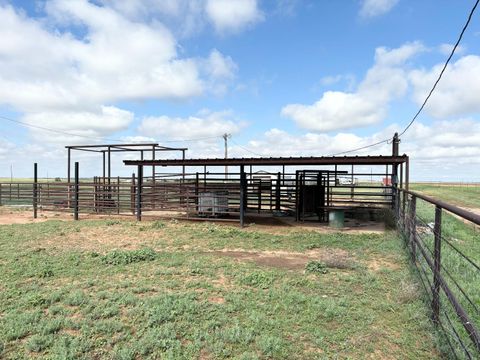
377,264
216,300
10,216
334,258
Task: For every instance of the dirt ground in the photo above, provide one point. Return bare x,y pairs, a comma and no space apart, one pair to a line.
10,215
334,258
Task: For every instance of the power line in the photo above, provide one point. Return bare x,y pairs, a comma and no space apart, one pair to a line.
244,148
57,131
429,94
444,67
361,148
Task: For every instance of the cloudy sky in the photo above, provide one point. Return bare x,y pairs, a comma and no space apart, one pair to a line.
284,77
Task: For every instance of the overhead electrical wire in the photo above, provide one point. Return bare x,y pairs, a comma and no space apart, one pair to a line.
246,149
431,91
57,131
443,69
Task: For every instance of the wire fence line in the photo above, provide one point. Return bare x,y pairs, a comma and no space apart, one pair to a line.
442,250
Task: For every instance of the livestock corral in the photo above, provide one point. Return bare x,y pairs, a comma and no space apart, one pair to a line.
318,257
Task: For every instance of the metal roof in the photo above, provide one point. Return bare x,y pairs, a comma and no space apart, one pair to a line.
323,160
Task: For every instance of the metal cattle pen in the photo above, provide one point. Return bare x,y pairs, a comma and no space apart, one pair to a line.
245,192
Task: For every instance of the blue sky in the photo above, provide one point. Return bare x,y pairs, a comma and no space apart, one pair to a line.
287,77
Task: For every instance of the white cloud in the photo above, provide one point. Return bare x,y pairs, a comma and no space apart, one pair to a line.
374,8
446,49
457,94
94,124
205,125
189,17
233,15
336,110
441,150
117,59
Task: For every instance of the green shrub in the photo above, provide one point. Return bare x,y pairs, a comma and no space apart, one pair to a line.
121,257
316,267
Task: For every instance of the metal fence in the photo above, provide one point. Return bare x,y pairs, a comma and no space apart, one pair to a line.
443,241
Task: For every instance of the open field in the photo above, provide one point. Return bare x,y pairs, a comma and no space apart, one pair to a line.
460,195
126,290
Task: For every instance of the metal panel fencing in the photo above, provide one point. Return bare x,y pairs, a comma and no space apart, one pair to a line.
444,244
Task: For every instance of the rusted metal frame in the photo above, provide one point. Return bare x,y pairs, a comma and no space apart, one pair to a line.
243,185
463,316
35,193
356,160
139,192
183,167
196,191
76,190
259,201
277,191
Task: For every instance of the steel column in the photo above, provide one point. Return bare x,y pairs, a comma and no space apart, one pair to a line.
242,195
139,192
35,193
76,189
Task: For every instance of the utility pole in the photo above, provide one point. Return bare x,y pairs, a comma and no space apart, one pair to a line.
225,138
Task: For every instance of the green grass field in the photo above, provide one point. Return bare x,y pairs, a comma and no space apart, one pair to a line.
125,290
460,195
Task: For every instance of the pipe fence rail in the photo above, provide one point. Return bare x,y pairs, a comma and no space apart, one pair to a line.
443,241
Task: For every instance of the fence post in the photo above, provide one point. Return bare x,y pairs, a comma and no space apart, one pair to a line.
277,191
436,264
118,194
76,189
243,181
413,227
0,194
139,192
132,194
196,193
35,180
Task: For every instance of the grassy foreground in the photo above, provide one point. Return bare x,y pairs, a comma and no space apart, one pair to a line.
124,290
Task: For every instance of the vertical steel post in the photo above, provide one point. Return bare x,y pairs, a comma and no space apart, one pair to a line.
132,194
68,164
139,192
104,174
109,169
183,166
436,264
153,167
35,194
196,191
277,191
407,174
75,193
242,195
395,149
118,194
259,204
